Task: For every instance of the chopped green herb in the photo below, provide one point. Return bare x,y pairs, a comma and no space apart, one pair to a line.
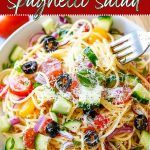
36,84
137,59
111,81
145,71
18,69
26,83
76,143
115,31
104,17
101,77
71,33
7,65
68,19
62,32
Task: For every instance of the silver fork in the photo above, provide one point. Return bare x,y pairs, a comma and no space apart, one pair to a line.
131,46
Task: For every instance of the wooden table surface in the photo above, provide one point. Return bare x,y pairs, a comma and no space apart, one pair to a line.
143,21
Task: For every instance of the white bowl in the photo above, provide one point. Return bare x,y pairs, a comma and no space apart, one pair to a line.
22,35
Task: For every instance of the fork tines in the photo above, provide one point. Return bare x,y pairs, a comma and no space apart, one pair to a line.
128,47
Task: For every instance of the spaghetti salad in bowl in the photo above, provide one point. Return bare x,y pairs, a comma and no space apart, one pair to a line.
68,91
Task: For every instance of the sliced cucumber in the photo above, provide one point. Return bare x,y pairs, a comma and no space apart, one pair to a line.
89,98
73,125
53,116
129,79
141,94
14,144
48,26
41,142
4,124
104,22
91,56
9,145
16,54
145,140
62,106
19,143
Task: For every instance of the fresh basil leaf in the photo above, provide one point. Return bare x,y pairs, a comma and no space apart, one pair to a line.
87,77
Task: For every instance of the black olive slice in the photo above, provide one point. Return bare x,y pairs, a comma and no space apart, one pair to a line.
52,129
140,122
90,113
29,67
50,44
63,82
91,138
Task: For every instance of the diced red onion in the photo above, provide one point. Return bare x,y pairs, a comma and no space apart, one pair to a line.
148,78
107,146
40,79
63,43
66,134
34,38
89,65
15,106
39,123
63,20
149,124
123,129
55,35
66,145
14,121
21,98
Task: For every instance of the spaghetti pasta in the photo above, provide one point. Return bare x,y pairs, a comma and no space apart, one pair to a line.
80,87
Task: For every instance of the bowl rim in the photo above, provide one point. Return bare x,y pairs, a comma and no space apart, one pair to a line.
33,21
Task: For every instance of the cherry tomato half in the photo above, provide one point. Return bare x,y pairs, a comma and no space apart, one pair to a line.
29,138
44,125
20,86
73,86
52,68
101,121
1,89
8,24
123,96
